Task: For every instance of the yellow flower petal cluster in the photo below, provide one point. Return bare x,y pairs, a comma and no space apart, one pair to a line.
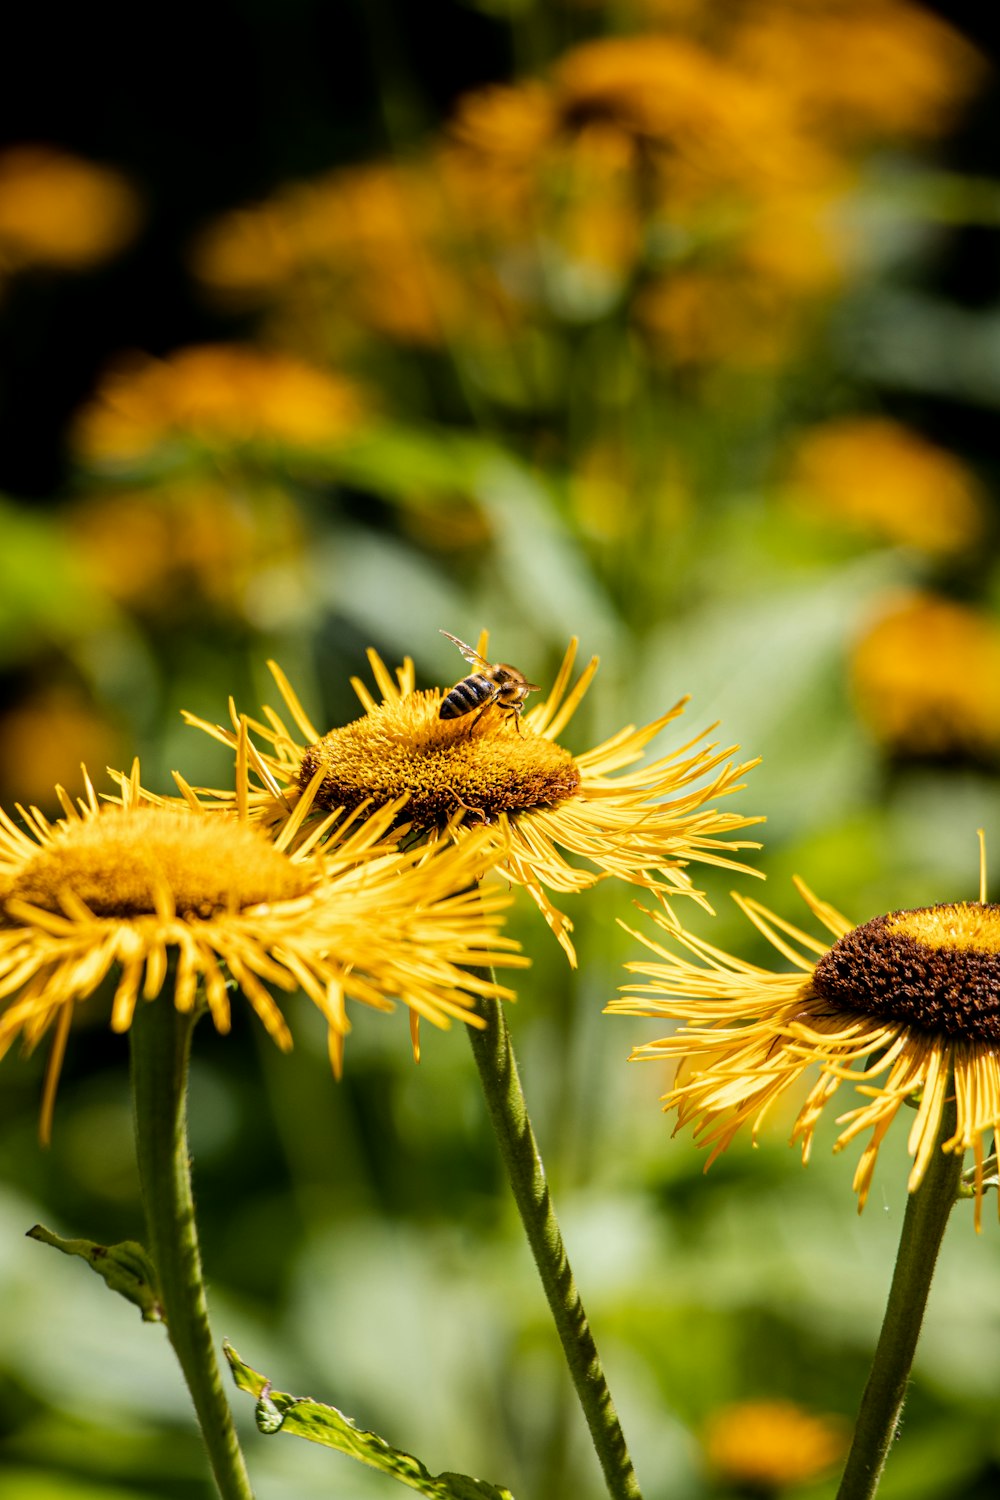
59,211
770,1446
876,475
185,543
357,245
907,1007
529,797
857,69
926,676
179,898
217,395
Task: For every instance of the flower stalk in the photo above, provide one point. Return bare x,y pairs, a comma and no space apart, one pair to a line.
494,1055
924,1223
160,1040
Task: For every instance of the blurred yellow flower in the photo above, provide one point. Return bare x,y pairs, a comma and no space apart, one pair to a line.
359,245
706,125
140,886
217,395
43,738
853,71
506,120
913,996
528,796
771,1446
184,543
877,476
59,211
856,69
927,678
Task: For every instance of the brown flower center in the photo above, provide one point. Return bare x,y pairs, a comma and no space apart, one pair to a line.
936,968
445,766
118,861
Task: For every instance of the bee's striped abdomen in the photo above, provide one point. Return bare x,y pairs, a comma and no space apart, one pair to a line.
467,695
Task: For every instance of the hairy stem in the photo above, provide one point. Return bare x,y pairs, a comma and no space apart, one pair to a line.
924,1223
509,1116
160,1038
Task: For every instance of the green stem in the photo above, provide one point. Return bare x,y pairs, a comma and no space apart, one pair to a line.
509,1116
924,1223
160,1038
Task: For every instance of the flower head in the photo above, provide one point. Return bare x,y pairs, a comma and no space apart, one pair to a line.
876,476
175,896
532,799
926,676
59,211
907,1006
765,1447
215,395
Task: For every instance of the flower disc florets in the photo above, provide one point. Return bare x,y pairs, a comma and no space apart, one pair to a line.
936,968
444,767
120,865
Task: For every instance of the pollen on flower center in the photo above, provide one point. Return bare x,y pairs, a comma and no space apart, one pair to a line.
118,861
444,766
936,968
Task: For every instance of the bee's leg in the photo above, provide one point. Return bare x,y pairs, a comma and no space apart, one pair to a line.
489,702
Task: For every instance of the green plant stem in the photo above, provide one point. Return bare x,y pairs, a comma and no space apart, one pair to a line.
924,1224
160,1038
508,1111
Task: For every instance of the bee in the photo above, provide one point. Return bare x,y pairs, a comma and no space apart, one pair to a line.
500,684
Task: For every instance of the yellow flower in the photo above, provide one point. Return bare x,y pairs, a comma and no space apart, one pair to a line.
913,996
876,475
144,889
927,678
532,799
706,124
859,68
216,394
57,210
769,1446
180,545
361,245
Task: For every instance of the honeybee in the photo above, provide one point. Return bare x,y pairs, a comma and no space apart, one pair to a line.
500,684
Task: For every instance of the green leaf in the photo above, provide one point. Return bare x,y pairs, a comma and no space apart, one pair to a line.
303,1417
126,1268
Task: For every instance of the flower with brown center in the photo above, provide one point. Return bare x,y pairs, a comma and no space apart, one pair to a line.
530,797
180,899
907,1006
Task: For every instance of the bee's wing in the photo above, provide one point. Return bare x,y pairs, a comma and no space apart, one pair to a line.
473,657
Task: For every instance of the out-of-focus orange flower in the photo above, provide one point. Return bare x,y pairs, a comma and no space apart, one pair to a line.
857,69
506,120
59,211
875,475
359,246
926,677
852,70
216,394
184,544
770,1446
43,740
707,126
